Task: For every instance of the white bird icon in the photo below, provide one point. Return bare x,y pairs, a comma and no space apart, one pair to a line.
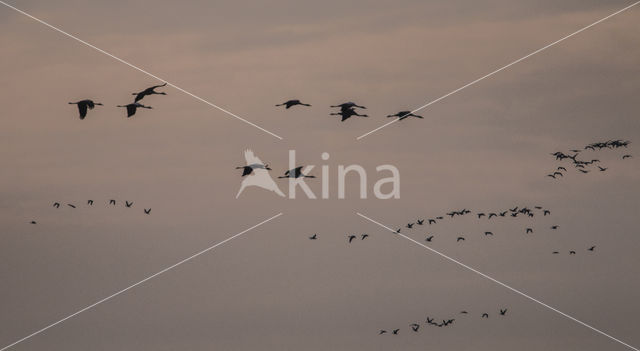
259,175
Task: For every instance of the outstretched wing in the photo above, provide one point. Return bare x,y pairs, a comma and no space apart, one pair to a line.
251,158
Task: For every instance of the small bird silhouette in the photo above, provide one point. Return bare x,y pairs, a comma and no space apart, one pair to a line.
591,248
572,252
459,239
71,205
90,202
364,236
485,315
112,202
127,203
503,312
429,238
346,114
409,225
415,327
398,231
626,156
382,331
314,237
546,212
404,114
33,222
296,173
132,107
420,221
602,169
56,204
83,105
488,233
555,252
148,91
529,230
147,211
554,227
351,238
291,103
395,331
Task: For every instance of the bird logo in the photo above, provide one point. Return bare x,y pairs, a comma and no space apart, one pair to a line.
256,173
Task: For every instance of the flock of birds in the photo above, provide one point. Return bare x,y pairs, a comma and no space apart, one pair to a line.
88,104
112,202
432,322
582,165
346,111
514,212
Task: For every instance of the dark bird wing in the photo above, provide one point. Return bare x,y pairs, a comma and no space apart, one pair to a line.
131,110
82,108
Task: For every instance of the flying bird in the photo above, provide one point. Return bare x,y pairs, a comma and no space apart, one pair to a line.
147,211
546,212
485,315
415,327
592,248
290,103
503,312
429,238
382,331
112,202
90,202
33,222
351,238
259,175
626,156
572,252
602,169
148,91
56,204
131,108
83,105
296,173
314,237
346,114
420,221
71,205
529,230
459,239
404,114
395,331
554,227
364,236
409,225
128,204
488,233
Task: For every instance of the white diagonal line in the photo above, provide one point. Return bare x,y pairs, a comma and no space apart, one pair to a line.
503,67
140,69
138,283
498,282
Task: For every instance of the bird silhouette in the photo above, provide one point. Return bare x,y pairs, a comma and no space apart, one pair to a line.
33,222
90,202
485,315
395,331
409,225
626,156
351,238
83,105
259,174
488,233
364,236
398,231
432,221
602,169
591,248
347,113
415,327
112,202
128,204
382,331
554,227
555,252
562,169
420,221
503,312
429,238
314,237
131,108
459,239
404,114
71,205
529,230
572,252
147,211
290,103
56,204
464,312
148,91
296,173
546,212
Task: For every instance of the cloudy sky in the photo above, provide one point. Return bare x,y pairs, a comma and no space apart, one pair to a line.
486,148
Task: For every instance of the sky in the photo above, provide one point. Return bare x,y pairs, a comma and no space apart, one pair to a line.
486,148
